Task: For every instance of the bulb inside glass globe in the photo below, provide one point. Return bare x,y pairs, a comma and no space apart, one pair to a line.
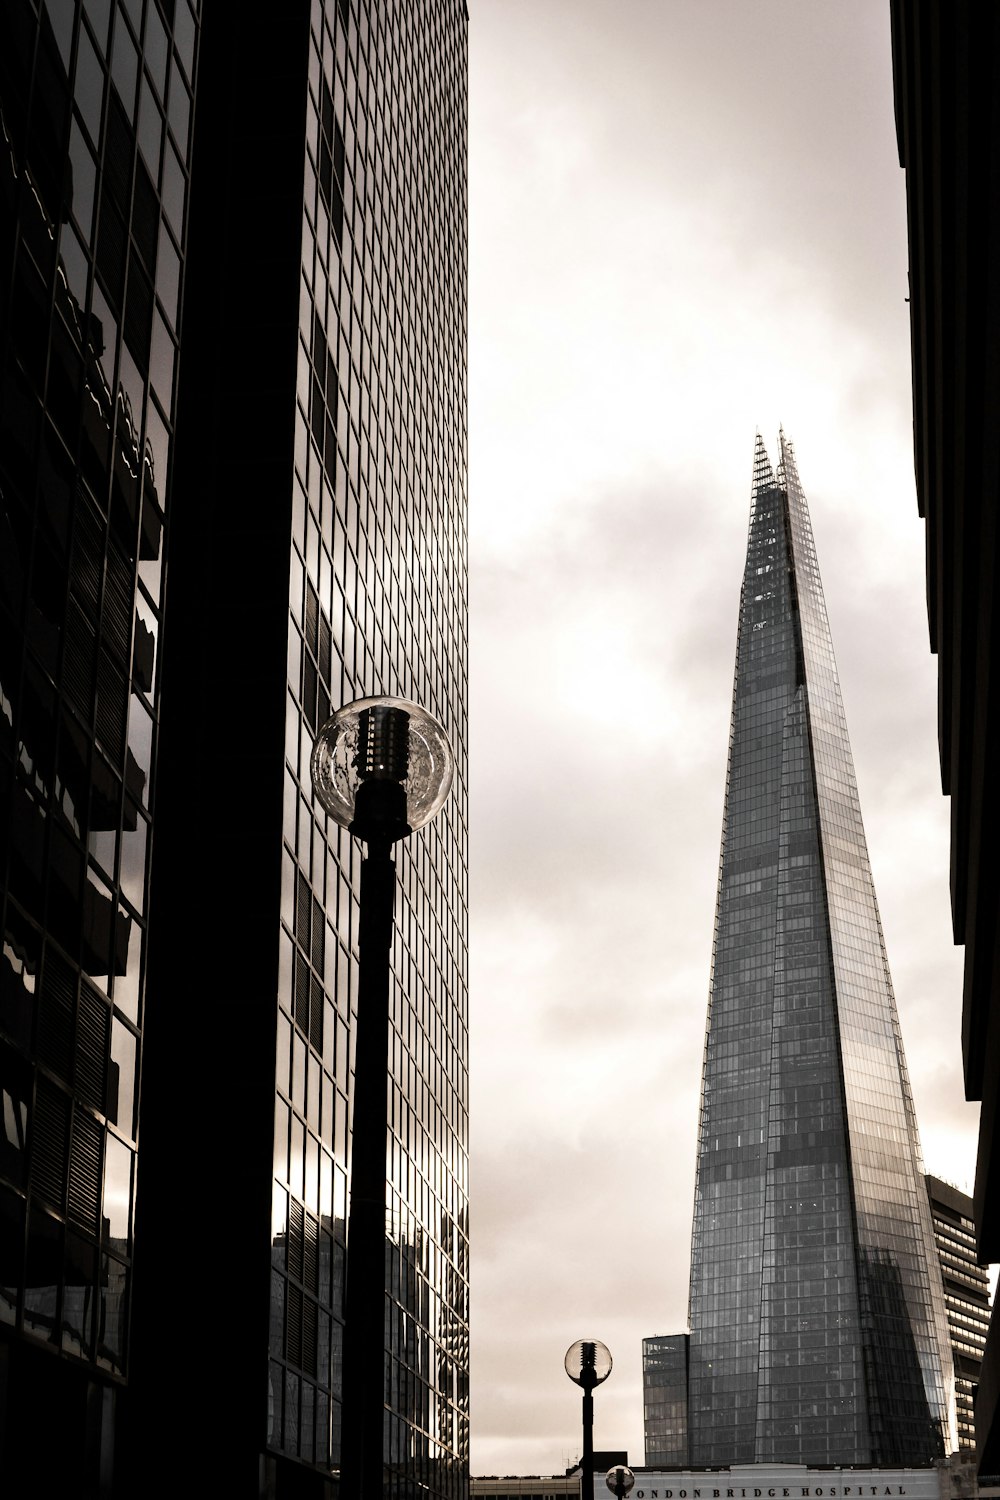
588,1362
382,765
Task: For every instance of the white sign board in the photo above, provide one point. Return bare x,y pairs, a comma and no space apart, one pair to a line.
786,1482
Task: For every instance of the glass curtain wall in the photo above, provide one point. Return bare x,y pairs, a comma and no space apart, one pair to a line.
96,104
664,1394
378,604
817,1330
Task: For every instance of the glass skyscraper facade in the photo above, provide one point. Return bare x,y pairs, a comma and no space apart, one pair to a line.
377,604
664,1399
818,1331
96,106
212,541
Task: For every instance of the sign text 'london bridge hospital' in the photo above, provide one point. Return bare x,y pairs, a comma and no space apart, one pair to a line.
787,1482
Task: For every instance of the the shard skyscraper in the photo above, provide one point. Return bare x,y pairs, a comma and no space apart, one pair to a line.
818,1330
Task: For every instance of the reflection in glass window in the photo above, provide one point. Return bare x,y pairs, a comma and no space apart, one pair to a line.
117,1191
121,1087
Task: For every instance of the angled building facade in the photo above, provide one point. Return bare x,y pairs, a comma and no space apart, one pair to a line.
946,77
818,1331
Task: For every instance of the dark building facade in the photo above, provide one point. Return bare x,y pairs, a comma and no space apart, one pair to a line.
966,1297
96,108
946,79
221,534
818,1331
664,1400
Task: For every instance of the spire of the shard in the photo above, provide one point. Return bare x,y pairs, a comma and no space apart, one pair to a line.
817,1319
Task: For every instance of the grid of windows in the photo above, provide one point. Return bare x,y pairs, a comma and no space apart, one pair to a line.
525,1488
96,102
817,1329
966,1297
377,605
665,1396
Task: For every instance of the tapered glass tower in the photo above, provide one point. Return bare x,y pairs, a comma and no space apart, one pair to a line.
818,1330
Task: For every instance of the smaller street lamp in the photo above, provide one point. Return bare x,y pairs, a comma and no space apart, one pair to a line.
619,1480
382,768
588,1363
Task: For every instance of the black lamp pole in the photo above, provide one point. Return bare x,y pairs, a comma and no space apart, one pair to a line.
620,1480
379,819
588,1380
587,1363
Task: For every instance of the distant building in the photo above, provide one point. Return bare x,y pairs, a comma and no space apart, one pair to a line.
966,1297
546,1487
779,1481
818,1329
940,1481
664,1399
525,1487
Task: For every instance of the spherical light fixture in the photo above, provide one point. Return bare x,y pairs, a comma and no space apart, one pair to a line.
382,767
619,1480
588,1362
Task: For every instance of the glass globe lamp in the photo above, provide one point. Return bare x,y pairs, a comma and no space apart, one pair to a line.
619,1480
588,1362
382,767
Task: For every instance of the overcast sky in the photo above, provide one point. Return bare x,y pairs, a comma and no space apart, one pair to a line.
687,220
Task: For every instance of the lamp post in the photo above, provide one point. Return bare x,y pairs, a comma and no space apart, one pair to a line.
588,1363
382,768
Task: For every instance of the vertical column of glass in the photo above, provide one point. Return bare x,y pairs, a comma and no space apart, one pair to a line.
97,102
378,604
665,1398
902,1313
728,1235
811,1405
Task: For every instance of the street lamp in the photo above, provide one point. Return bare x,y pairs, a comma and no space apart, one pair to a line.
588,1362
619,1480
382,768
